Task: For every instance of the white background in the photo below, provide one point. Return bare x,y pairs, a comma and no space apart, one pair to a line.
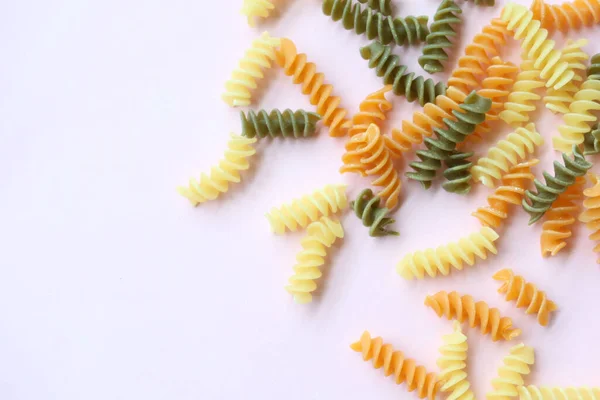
113,287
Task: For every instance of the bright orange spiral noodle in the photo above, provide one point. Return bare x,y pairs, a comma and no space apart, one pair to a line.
313,84
405,370
560,219
511,191
568,15
372,110
591,215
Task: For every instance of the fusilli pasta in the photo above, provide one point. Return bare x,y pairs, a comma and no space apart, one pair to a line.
591,215
510,375
256,8
453,365
439,36
382,6
372,110
591,141
366,207
276,123
568,15
558,393
521,100
458,172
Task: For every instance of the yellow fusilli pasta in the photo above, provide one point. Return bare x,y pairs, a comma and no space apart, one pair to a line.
558,393
510,375
521,100
210,186
591,215
372,110
256,8
453,365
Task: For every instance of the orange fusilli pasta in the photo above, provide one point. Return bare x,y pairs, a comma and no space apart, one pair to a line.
566,16
372,110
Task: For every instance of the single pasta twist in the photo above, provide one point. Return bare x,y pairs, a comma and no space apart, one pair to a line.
387,65
591,142
409,30
256,8
372,110
366,207
458,172
210,186
472,112
243,78
404,370
520,20
510,375
440,260
558,101
463,308
453,364
526,295
557,393
309,208
560,218
511,191
440,32
313,84
487,3
381,6
591,215
568,15
320,236
521,101
508,152
287,123
537,203
593,71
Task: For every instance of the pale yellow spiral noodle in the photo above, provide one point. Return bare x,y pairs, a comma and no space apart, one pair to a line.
558,393
404,370
453,365
255,9
320,236
591,215
372,110
521,100
463,308
309,208
510,375
432,262
554,72
210,186
526,295
244,78
507,153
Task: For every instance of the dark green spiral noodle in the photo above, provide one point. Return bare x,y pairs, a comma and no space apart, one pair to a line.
485,3
276,123
591,143
367,208
537,203
468,116
593,71
382,6
440,32
387,65
410,30
458,173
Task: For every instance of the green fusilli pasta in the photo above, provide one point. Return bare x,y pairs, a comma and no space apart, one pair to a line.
591,142
440,32
593,71
367,208
458,173
387,65
275,123
382,6
485,3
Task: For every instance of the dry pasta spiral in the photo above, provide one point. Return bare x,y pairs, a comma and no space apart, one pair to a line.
275,123
560,218
313,84
366,207
382,6
243,79
404,370
256,8
507,153
458,172
487,3
511,191
441,260
210,186
453,364
320,236
372,110
521,101
568,15
520,20
526,294
309,208
463,308
558,393
591,215
591,142
510,375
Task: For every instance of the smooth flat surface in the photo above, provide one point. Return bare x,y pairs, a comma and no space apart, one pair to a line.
113,287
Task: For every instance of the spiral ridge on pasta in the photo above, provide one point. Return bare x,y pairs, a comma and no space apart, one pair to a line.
409,30
487,3
256,8
520,20
366,207
244,78
591,216
458,172
568,15
453,364
227,171
537,203
558,393
472,112
387,66
517,146
381,6
313,84
521,101
560,219
372,110
441,260
463,308
440,32
275,123
511,191
510,375
526,294
591,141
320,236
309,208
404,370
